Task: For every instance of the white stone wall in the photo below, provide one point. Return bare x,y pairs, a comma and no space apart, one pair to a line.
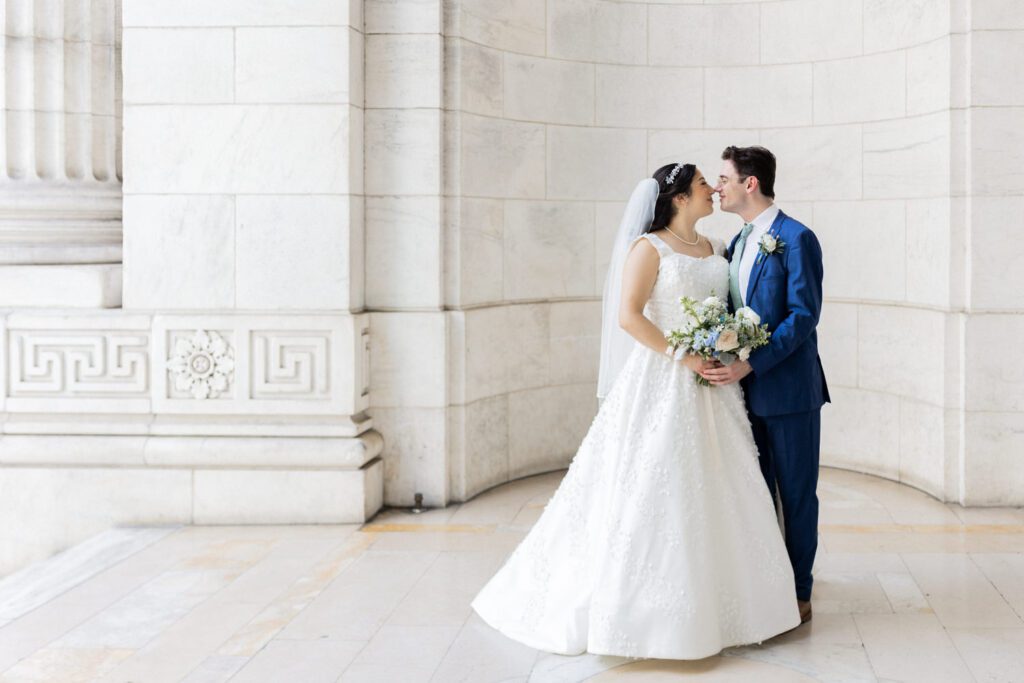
238,156
871,150
553,110
402,209
919,396
244,218
989,109
403,243
233,385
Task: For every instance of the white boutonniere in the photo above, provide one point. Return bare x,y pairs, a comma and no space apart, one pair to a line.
769,244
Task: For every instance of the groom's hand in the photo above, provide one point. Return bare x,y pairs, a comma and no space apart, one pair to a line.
728,374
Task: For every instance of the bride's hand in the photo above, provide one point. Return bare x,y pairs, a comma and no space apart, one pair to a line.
696,363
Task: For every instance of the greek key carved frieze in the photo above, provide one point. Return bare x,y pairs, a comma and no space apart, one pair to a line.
79,364
289,364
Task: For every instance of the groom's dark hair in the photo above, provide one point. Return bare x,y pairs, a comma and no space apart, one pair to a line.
754,161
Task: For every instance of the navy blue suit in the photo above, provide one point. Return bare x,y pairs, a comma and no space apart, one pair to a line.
786,389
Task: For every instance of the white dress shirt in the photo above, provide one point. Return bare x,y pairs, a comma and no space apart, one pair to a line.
762,222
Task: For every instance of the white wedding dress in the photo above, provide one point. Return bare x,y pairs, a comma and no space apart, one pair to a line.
661,540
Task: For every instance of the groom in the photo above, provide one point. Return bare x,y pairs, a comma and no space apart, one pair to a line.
775,268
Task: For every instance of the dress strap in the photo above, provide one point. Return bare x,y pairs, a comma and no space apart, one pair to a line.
659,244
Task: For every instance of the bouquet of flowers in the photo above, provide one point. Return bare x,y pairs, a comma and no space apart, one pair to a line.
710,332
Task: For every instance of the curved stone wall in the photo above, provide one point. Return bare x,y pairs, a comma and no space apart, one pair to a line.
553,110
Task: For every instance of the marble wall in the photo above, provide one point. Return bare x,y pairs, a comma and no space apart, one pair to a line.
989,108
869,150
243,214
233,384
922,270
404,243
398,213
482,275
243,156
881,113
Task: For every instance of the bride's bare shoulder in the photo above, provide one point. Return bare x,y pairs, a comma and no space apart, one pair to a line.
644,247
643,254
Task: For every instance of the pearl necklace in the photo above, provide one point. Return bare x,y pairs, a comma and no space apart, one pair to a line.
692,244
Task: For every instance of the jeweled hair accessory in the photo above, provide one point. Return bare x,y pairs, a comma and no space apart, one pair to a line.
671,177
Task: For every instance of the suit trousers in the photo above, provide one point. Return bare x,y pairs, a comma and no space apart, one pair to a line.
788,446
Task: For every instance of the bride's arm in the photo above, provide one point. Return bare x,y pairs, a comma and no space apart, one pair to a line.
638,276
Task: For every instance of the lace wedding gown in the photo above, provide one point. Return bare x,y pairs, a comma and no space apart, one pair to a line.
661,540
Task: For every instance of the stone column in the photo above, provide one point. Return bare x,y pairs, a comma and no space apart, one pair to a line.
60,205
989,149
232,387
404,257
243,215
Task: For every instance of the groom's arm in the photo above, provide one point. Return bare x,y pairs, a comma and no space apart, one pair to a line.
803,300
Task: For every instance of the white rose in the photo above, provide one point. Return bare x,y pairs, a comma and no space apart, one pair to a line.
744,353
769,242
727,340
713,302
747,313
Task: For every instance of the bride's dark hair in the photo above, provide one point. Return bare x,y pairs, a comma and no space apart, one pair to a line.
673,180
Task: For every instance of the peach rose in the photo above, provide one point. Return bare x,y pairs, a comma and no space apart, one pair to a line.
727,340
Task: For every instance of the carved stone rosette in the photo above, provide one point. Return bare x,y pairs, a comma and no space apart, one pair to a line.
203,365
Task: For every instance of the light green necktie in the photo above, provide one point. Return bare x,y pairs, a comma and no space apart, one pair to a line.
734,266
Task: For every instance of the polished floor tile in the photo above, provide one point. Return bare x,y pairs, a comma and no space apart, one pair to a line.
385,673
66,665
911,647
552,668
1006,572
480,653
960,593
849,593
992,654
309,661
411,647
442,594
710,670
903,592
216,669
906,589
25,590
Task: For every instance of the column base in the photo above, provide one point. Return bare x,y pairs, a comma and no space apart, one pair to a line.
64,489
63,286
98,428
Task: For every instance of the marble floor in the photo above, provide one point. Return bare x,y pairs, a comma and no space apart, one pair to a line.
907,589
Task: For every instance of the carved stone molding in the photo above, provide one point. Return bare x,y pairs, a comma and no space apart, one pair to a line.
78,364
304,365
290,365
203,365
214,374
118,373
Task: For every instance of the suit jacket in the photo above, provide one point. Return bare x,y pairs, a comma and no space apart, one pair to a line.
785,290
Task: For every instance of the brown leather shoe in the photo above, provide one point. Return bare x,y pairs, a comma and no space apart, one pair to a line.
805,610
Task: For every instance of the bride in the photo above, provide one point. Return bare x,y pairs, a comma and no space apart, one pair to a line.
661,540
